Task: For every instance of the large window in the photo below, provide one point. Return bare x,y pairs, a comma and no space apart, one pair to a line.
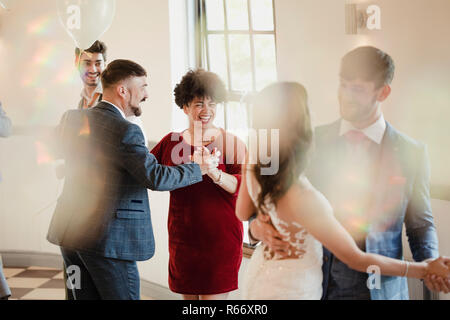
236,40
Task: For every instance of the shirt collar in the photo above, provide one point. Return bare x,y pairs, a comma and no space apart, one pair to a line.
98,89
374,132
121,112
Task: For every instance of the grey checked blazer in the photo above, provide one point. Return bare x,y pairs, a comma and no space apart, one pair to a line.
104,207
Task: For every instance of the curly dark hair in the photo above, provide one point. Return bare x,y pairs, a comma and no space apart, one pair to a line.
200,83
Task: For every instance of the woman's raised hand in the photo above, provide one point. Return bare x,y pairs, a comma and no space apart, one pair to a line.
207,161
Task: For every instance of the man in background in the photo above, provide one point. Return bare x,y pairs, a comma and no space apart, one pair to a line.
90,64
5,131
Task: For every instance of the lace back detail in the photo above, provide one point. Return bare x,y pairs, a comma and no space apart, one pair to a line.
293,232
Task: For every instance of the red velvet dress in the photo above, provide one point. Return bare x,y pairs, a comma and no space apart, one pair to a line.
205,236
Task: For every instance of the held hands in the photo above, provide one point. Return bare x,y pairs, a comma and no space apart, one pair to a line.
438,275
208,162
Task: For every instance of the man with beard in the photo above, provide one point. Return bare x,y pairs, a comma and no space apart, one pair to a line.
102,219
377,180
90,64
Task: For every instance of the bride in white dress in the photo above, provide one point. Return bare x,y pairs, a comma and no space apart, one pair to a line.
302,215
297,278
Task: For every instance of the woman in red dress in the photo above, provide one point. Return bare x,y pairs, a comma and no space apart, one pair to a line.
205,236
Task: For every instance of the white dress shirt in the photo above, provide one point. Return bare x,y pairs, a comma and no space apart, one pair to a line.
374,132
88,98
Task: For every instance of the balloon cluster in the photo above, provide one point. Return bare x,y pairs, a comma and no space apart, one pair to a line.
84,20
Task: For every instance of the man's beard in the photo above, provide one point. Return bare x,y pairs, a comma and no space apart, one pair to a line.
137,111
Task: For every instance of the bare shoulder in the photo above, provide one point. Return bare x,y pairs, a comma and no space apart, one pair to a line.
304,199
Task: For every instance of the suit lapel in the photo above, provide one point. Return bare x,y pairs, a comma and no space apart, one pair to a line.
389,186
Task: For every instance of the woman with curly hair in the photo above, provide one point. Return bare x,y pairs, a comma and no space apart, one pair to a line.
205,236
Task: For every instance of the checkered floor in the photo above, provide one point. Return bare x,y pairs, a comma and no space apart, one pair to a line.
35,283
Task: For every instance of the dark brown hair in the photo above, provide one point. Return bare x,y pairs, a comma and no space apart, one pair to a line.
283,106
200,83
120,70
369,64
97,47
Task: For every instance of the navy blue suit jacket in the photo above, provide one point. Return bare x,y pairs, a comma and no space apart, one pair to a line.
401,197
104,207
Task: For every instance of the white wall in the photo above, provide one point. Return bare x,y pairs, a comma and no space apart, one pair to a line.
38,84
311,41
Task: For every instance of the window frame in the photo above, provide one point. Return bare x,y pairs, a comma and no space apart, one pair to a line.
201,54
202,57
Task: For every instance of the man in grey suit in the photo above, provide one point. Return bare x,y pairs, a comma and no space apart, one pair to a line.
5,131
102,220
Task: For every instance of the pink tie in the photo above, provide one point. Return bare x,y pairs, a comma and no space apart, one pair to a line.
355,137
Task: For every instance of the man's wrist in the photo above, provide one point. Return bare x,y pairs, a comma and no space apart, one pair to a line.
253,240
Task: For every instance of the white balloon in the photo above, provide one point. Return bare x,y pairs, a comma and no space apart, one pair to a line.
86,20
5,4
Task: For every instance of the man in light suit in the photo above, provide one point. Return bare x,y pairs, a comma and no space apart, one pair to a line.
102,219
377,180
5,131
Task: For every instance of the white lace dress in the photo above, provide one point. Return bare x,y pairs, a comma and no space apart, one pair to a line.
297,278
